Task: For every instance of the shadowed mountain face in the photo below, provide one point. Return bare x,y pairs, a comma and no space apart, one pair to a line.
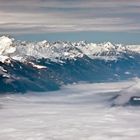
45,66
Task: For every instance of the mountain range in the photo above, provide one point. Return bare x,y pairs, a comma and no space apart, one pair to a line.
44,66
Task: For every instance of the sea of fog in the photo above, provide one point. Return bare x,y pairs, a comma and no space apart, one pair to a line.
76,112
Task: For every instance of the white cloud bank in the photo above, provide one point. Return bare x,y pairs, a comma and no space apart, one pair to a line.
77,112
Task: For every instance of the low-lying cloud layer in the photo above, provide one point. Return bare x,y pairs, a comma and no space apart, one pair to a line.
40,16
76,112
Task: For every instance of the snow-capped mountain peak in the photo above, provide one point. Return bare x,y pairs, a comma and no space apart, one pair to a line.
109,45
6,46
56,51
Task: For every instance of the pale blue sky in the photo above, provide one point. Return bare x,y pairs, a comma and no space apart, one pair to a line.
92,20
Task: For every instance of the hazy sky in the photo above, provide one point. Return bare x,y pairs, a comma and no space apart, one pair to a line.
97,20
